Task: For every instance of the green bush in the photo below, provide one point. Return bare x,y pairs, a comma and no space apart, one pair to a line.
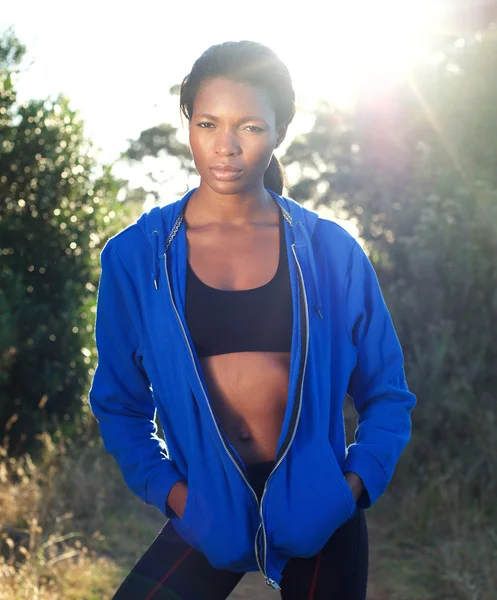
57,210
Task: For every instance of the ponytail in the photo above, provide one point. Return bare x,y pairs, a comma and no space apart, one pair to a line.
274,177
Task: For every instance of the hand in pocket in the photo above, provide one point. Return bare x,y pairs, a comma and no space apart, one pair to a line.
177,497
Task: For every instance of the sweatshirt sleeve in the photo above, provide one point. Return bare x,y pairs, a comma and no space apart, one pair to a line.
120,396
377,385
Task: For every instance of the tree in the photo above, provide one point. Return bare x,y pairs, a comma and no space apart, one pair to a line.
415,169
171,162
57,210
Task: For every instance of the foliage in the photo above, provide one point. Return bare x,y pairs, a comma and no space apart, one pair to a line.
415,169
57,210
169,161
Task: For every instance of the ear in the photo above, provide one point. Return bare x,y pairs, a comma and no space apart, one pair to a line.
281,130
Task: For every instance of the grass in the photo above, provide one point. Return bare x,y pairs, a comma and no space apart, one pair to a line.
436,536
70,529
438,545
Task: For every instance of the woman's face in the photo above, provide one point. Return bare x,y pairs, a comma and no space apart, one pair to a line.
233,133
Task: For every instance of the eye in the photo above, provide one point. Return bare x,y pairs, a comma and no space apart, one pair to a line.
205,125
254,128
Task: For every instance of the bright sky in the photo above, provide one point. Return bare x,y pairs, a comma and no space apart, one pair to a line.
117,60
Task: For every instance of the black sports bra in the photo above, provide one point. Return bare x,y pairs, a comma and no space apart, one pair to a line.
258,319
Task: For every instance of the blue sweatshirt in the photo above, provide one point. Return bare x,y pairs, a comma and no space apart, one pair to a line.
343,342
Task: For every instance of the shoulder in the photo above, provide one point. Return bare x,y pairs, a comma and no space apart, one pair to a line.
323,231
329,234
134,239
126,242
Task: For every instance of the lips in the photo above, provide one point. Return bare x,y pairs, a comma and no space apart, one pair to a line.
226,172
226,167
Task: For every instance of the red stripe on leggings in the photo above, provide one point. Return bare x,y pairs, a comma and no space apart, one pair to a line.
169,573
315,578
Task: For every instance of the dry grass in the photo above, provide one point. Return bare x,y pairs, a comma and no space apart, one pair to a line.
66,524
440,545
436,536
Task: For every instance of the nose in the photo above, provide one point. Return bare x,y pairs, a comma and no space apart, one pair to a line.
227,143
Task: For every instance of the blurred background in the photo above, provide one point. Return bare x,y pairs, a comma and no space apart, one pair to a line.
395,137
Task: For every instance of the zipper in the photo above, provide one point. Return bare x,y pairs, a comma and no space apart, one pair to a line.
300,384
261,564
235,462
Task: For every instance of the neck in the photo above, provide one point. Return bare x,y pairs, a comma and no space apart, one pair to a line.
206,205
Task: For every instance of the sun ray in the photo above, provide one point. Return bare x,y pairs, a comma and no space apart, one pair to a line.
430,115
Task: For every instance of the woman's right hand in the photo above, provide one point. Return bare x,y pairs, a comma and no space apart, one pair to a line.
176,498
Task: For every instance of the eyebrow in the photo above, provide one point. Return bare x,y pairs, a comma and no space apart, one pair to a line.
242,120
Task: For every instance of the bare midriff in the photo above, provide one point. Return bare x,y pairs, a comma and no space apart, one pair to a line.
248,392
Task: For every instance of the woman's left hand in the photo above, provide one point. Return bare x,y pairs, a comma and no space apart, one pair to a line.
355,484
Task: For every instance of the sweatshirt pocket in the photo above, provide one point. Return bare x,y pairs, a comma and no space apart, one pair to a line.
307,500
183,525
221,519
190,501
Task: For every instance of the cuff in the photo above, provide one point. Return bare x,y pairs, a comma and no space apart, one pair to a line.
370,471
159,486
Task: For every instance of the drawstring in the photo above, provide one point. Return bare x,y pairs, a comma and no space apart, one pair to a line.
317,298
155,250
155,259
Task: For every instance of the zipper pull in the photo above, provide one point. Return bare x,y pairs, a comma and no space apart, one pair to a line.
272,583
155,259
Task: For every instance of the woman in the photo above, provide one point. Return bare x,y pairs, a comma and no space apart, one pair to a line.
256,320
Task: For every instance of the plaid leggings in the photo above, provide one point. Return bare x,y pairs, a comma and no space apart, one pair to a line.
172,570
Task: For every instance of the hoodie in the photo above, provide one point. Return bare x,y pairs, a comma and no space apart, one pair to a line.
343,342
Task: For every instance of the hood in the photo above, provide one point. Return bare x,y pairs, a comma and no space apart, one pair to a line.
161,224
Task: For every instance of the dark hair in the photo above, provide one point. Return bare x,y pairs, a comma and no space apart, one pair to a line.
254,64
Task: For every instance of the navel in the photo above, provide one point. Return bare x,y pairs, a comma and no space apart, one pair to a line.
244,434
